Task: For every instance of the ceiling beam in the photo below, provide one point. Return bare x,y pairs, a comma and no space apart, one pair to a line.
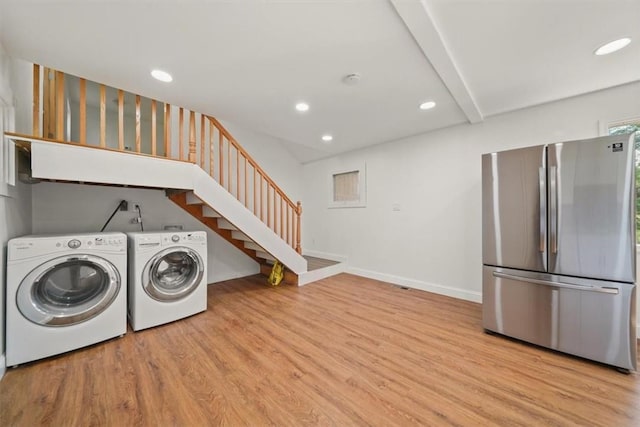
416,17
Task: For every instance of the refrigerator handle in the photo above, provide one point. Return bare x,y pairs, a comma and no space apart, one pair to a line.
553,209
600,289
543,208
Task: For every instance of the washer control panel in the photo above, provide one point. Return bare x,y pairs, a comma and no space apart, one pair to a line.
33,246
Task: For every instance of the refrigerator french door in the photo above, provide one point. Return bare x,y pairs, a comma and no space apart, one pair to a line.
559,247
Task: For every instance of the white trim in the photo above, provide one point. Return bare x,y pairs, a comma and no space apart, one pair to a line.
321,273
236,275
7,148
3,365
418,284
325,255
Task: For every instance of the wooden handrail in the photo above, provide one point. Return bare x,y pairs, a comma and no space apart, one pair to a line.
278,205
248,183
253,163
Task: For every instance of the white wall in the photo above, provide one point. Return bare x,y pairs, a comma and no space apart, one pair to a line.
15,206
71,208
434,241
272,157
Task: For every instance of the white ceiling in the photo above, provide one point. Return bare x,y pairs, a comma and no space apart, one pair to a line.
250,61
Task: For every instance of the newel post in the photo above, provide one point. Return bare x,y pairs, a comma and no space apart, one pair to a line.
298,214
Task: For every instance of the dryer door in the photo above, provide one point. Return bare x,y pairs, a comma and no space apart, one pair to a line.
68,290
173,274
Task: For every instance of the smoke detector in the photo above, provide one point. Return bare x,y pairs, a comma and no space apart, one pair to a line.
351,79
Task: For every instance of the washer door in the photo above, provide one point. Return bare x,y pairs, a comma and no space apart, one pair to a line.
172,274
68,290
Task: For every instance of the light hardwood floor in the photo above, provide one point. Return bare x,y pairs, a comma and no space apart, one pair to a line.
342,351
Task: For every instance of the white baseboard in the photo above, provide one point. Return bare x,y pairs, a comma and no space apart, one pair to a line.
325,255
321,273
418,284
3,366
236,275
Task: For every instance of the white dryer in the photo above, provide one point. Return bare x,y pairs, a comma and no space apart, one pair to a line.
64,292
167,277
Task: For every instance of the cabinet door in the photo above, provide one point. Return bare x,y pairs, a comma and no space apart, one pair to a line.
514,209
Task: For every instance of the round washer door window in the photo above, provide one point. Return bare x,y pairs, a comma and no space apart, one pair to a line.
68,290
173,274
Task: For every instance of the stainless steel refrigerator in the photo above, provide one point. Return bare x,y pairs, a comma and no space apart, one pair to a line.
558,253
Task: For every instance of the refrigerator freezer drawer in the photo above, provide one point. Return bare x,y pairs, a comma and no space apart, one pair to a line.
588,318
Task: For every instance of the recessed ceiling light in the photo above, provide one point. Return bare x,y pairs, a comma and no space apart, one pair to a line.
427,105
302,106
613,46
327,138
163,76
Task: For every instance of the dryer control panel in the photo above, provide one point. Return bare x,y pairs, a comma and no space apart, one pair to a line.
184,237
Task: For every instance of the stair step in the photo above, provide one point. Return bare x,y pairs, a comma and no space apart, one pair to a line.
226,225
192,199
209,212
238,235
264,255
254,246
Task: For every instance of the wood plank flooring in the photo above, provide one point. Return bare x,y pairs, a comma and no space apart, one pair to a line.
342,351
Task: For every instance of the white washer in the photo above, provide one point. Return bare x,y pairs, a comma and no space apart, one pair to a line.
167,277
64,292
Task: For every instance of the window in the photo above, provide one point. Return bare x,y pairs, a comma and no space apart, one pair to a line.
345,187
629,126
348,188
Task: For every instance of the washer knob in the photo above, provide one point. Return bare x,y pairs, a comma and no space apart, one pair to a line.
74,244
175,238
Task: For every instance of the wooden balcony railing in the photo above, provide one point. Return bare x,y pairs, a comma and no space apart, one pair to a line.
75,110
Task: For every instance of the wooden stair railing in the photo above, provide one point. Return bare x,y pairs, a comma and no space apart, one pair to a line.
208,144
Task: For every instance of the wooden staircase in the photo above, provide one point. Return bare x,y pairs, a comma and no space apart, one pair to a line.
216,222
198,163
213,220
